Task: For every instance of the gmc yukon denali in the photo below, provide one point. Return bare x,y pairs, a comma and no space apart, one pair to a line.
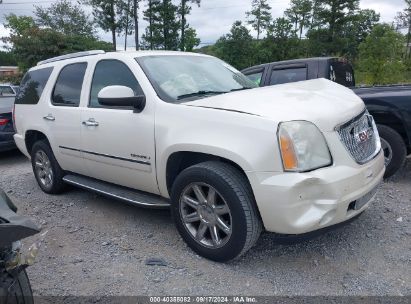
389,105
190,132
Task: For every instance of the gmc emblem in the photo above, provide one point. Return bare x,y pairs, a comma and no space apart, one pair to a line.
364,135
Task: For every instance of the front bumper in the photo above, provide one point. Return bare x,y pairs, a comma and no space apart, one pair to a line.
296,203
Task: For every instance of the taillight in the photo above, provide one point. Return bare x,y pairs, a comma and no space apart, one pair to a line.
3,121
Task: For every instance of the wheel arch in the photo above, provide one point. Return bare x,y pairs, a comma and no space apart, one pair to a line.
391,119
31,136
180,160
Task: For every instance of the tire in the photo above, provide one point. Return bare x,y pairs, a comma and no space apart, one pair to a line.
395,151
232,190
20,291
50,179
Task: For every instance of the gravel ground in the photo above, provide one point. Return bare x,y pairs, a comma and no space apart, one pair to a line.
98,246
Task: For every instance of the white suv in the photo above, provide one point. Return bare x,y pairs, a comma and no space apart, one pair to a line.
190,132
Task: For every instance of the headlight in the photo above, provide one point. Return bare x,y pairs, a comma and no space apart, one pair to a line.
303,146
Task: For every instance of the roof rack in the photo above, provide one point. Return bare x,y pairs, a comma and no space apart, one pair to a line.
72,55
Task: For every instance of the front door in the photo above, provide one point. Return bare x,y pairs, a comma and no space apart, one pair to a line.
118,144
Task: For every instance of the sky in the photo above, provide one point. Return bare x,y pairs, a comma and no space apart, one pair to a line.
211,20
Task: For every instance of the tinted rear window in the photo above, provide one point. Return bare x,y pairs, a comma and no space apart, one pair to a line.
32,86
342,73
288,75
68,86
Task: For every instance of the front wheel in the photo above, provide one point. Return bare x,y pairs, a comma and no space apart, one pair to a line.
214,211
395,151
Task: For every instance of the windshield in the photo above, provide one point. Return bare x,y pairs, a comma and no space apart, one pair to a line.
178,78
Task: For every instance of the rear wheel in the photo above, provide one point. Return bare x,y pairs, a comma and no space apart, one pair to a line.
214,211
47,171
395,151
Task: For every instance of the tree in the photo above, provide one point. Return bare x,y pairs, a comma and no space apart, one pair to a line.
18,24
7,58
109,16
300,13
236,47
259,16
30,43
333,14
162,31
149,17
191,40
284,41
129,15
65,17
380,58
403,20
184,10
136,6
356,30
326,34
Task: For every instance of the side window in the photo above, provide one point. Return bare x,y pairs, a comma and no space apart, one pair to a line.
68,86
32,86
256,77
109,73
288,75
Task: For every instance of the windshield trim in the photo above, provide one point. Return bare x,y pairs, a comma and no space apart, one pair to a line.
157,88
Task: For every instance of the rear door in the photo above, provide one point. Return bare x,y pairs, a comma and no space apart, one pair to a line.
62,117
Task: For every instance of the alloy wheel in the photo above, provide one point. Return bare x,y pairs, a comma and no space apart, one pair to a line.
43,168
206,215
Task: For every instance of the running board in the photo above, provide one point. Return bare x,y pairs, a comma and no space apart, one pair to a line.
127,195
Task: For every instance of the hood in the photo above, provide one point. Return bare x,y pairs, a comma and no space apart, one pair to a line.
319,101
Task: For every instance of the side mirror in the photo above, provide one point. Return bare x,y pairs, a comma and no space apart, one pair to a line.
121,96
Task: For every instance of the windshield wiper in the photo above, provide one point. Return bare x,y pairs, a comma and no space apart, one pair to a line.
200,93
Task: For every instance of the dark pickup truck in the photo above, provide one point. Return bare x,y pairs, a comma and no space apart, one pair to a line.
390,105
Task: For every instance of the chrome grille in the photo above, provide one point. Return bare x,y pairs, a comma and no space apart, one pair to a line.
360,137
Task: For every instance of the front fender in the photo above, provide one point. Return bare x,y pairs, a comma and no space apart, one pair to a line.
247,140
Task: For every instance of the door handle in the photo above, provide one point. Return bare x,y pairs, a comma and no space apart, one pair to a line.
49,117
90,123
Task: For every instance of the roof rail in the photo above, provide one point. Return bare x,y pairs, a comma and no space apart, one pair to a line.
72,55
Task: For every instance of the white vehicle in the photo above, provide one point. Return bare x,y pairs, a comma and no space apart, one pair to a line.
190,132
